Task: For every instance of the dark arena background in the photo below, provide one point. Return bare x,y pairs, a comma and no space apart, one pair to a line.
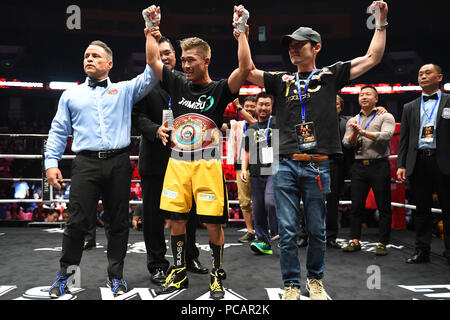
41,54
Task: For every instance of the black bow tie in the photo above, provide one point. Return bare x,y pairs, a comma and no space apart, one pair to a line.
434,96
94,84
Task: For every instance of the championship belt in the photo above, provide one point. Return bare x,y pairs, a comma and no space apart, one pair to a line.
193,132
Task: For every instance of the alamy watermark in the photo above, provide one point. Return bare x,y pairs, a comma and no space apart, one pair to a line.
374,18
214,150
73,21
374,279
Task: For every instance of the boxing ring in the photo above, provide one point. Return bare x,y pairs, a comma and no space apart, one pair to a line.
348,277
47,189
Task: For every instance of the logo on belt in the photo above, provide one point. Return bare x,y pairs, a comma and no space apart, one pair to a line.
192,132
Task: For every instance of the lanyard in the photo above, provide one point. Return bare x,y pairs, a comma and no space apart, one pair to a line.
170,102
432,110
245,127
359,120
267,130
300,93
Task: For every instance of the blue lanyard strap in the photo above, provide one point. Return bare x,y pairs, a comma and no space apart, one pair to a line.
170,102
300,93
359,120
267,130
432,110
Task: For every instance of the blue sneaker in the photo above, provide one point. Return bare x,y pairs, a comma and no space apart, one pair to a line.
261,247
117,286
59,287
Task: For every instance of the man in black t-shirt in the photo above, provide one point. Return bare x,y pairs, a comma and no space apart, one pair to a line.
258,157
195,168
307,98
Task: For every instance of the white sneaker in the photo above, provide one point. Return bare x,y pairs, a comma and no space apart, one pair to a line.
316,290
291,293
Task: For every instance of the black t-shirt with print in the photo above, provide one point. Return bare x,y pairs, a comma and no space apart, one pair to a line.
259,135
320,106
209,100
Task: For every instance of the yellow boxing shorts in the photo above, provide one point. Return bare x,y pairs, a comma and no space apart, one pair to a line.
201,180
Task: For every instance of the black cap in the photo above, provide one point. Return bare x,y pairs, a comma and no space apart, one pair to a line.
301,34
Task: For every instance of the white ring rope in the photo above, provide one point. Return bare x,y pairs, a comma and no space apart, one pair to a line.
35,156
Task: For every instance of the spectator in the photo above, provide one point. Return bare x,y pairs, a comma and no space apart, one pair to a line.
235,154
258,157
15,212
52,216
65,215
3,211
21,190
39,213
370,135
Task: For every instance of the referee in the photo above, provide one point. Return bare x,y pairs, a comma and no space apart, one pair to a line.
98,114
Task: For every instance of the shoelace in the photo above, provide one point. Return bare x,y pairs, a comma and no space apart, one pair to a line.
316,286
290,292
117,282
171,276
216,285
60,281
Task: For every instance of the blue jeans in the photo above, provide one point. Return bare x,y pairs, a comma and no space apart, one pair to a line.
296,181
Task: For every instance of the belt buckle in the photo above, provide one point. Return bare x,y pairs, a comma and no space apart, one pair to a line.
102,154
366,162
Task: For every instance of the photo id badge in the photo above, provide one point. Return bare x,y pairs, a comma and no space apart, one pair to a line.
167,114
359,146
267,155
306,136
427,134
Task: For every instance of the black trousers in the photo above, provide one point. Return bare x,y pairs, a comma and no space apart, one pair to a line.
425,180
93,178
378,177
336,185
153,227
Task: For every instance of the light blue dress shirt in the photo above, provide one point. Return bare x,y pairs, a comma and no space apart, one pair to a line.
98,118
425,121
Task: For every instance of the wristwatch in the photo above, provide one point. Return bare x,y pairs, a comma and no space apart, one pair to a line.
363,133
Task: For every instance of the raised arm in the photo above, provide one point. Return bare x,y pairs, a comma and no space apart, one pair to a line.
152,37
375,53
256,76
238,77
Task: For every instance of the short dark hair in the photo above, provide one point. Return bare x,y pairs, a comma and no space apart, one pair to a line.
437,67
164,39
371,87
264,95
250,98
341,100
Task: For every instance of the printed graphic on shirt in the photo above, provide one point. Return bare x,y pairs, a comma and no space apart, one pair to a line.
319,101
204,103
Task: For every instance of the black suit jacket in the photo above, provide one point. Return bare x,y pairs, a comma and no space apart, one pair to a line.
147,117
409,135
